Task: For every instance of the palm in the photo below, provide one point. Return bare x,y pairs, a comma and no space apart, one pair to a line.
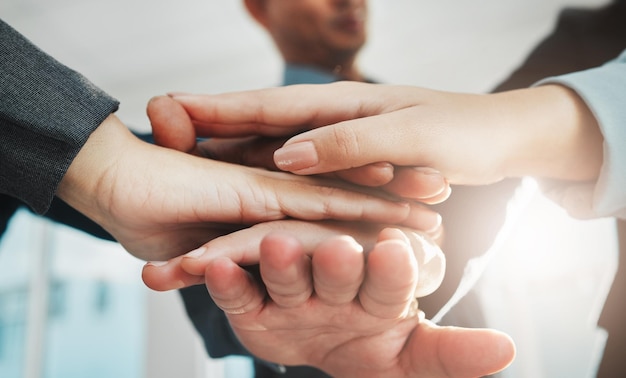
373,347
348,317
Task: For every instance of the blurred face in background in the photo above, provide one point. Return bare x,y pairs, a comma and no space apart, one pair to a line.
326,32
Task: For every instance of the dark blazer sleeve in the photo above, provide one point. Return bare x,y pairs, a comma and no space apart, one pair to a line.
47,112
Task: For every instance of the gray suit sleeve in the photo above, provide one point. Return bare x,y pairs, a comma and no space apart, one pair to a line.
47,112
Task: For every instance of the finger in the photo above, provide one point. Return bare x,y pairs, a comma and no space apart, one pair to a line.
458,352
391,278
286,270
249,151
260,195
431,262
420,183
373,175
168,275
342,201
423,219
259,152
338,270
337,202
171,125
355,143
243,246
232,288
281,111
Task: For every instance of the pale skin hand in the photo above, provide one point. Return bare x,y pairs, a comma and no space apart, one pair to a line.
174,128
345,317
243,248
159,203
471,139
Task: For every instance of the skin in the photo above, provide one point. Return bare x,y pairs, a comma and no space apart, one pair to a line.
172,128
327,34
243,247
477,143
343,306
179,121
159,203
346,317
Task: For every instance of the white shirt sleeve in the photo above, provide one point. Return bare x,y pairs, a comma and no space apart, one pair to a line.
604,91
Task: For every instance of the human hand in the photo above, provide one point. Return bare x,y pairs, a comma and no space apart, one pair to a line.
545,131
243,248
345,314
173,127
159,203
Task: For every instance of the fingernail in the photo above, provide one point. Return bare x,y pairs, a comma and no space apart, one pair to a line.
195,253
435,221
428,171
157,263
383,165
296,156
436,179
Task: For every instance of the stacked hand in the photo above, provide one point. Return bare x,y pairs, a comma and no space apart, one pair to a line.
468,138
159,203
343,304
239,136
338,308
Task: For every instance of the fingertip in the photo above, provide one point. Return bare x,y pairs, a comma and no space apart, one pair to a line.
156,264
439,198
497,350
423,184
431,262
339,249
171,125
507,348
422,218
157,103
391,278
164,276
155,99
296,157
475,352
276,241
152,274
218,270
392,233
338,269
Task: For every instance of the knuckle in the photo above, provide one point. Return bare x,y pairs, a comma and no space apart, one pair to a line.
347,141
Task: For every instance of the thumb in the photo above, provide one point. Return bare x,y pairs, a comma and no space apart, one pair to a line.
171,125
349,144
465,352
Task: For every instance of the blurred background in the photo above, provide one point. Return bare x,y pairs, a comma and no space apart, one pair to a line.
74,306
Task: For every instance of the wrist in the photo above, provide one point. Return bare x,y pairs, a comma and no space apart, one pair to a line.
90,176
556,135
